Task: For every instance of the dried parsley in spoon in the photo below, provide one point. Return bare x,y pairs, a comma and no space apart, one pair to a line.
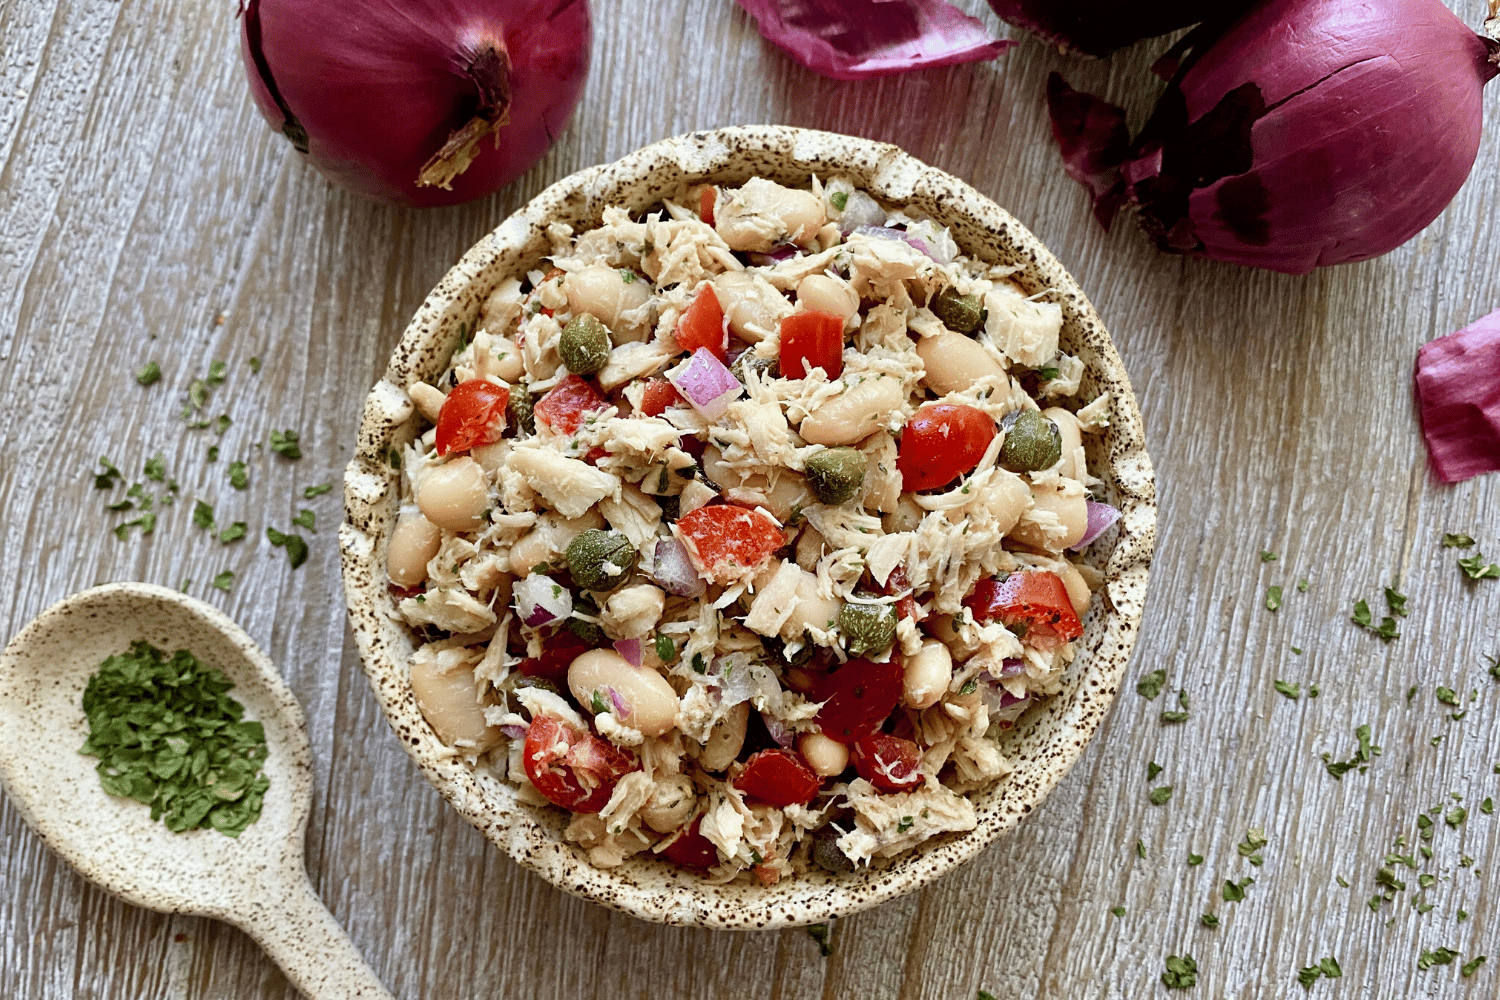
166,734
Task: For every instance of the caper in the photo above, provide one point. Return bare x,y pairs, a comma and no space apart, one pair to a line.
826,853
525,681
867,628
958,312
520,409
750,361
589,632
584,345
776,648
836,474
600,560
1032,443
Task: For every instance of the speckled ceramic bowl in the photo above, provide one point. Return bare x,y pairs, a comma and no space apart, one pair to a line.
1048,739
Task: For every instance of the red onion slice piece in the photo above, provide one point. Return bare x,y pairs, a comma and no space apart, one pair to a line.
784,737
706,383
622,707
1100,517
540,599
672,569
1458,395
514,732
630,649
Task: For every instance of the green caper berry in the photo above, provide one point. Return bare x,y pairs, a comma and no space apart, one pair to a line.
584,345
869,628
775,647
589,632
520,409
592,556
835,475
1032,443
524,681
958,312
826,853
749,361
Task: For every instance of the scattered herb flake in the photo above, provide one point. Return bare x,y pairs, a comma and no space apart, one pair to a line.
203,515
1152,770
1195,860
284,443
295,545
1209,920
306,519
221,423
1160,796
234,532
1477,569
1140,848
1302,585
1234,892
1471,966
216,374
819,933
1150,686
1308,976
1361,615
224,580
1362,755
1487,807
1255,839
239,475
1180,973
1447,696
156,468
149,373
1457,541
1180,716
316,491
1273,598
1437,956
1456,816
1291,690
1395,602
1266,555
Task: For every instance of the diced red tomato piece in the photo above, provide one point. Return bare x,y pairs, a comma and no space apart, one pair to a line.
778,778
895,583
941,442
1034,602
559,650
889,763
857,697
691,849
726,541
706,199
567,403
658,395
575,770
472,415
703,324
812,340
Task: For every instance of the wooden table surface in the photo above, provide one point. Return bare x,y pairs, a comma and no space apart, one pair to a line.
146,213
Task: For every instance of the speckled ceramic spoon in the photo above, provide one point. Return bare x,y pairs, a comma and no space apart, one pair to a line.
256,882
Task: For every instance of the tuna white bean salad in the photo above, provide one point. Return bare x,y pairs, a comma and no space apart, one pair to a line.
744,527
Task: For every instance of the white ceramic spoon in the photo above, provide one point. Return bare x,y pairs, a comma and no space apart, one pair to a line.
256,882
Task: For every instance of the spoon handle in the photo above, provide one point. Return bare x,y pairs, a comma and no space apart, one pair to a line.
302,937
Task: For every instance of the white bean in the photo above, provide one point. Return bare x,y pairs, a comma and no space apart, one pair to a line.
826,757
907,517
455,495
753,305
1078,590
1072,439
502,360
673,802
603,292
801,212
954,362
445,690
941,627
854,414
549,537
810,611
825,293
651,704
428,400
414,541
725,739
927,674
1070,511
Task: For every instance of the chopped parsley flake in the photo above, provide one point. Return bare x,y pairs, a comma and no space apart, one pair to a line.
1118,911
665,650
1255,839
904,824
1457,541
1437,956
838,200
1266,555
1152,770
1291,690
203,515
1181,972
224,580
316,491
819,933
156,468
1487,807
1150,686
1273,598
255,366
1234,892
148,373
221,423
1456,816
295,545
1477,569
109,477
239,475
1195,860
1361,759
1159,796
1180,716
1447,696
1140,848
1471,966
1209,920
234,532
306,519
284,443
1396,602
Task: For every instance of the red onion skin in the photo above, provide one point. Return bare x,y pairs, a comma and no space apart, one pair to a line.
1314,132
377,88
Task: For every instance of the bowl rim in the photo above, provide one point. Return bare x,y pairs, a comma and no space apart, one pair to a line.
528,834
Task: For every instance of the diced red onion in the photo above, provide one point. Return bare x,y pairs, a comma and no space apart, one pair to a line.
1458,395
887,233
630,649
672,569
779,253
1100,517
1012,667
731,675
1005,708
860,210
514,732
540,599
855,39
399,101
622,707
706,383
784,737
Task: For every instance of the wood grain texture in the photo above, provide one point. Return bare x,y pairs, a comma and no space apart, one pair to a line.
147,213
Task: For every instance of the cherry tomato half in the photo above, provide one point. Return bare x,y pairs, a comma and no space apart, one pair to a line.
691,849
574,770
567,403
706,199
941,442
472,415
1034,602
778,778
702,325
728,538
857,697
812,340
889,763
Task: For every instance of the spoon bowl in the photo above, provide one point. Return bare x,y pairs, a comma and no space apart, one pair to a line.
256,881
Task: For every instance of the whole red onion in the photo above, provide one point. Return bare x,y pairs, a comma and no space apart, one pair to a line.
1309,133
1098,27
420,102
